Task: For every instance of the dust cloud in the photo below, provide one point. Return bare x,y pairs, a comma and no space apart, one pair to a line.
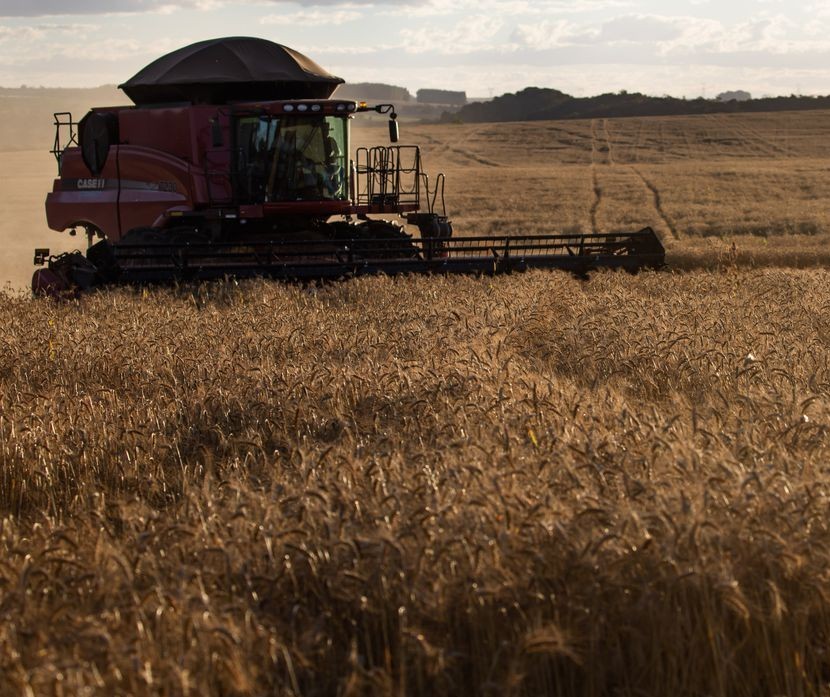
26,177
27,170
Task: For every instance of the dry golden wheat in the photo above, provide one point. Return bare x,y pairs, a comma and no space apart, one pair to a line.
524,485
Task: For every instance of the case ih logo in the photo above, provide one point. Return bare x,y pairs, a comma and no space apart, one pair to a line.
91,183
96,184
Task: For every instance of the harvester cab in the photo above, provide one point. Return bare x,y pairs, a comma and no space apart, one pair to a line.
253,174
283,157
298,151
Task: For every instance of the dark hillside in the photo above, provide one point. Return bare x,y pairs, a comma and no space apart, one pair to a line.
540,104
373,92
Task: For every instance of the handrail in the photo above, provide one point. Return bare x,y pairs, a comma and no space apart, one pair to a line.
63,120
389,177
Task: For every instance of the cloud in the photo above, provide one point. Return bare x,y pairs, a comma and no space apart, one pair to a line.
619,31
312,18
42,8
472,34
20,34
820,9
552,34
559,7
508,8
686,37
60,8
767,36
640,29
519,40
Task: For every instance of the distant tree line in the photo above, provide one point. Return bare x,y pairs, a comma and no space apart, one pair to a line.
542,104
373,92
447,97
379,92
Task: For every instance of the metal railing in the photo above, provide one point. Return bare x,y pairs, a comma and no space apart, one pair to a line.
388,176
66,134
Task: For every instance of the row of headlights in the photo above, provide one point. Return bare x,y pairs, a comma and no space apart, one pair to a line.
316,107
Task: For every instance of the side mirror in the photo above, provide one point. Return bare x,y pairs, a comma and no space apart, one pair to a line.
394,132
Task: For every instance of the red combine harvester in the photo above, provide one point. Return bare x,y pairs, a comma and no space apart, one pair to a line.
235,160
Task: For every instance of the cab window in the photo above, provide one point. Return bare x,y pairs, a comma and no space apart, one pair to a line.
292,158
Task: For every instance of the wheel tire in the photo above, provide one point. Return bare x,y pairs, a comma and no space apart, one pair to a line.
379,239
47,282
140,236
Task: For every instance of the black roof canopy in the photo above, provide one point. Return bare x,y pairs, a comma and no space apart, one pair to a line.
230,69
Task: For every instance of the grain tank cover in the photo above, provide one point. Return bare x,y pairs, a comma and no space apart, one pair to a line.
230,69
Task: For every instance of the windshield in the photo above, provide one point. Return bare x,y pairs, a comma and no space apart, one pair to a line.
292,158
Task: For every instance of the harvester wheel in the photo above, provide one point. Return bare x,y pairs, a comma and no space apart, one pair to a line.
47,282
185,235
139,247
379,239
149,236
139,236
66,275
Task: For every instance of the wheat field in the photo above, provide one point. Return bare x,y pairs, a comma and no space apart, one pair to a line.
521,485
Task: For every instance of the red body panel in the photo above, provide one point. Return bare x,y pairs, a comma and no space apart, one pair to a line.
158,166
175,159
149,184
69,209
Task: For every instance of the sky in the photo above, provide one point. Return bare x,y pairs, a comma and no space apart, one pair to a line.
583,47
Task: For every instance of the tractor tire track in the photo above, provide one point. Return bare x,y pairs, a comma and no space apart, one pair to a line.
658,203
601,142
608,145
602,154
574,143
769,144
690,147
755,140
597,190
748,142
462,152
597,198
638,142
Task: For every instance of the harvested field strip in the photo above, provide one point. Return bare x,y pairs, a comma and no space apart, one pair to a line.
470,155
753,142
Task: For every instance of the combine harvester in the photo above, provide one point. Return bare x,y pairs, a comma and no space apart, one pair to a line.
235,161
